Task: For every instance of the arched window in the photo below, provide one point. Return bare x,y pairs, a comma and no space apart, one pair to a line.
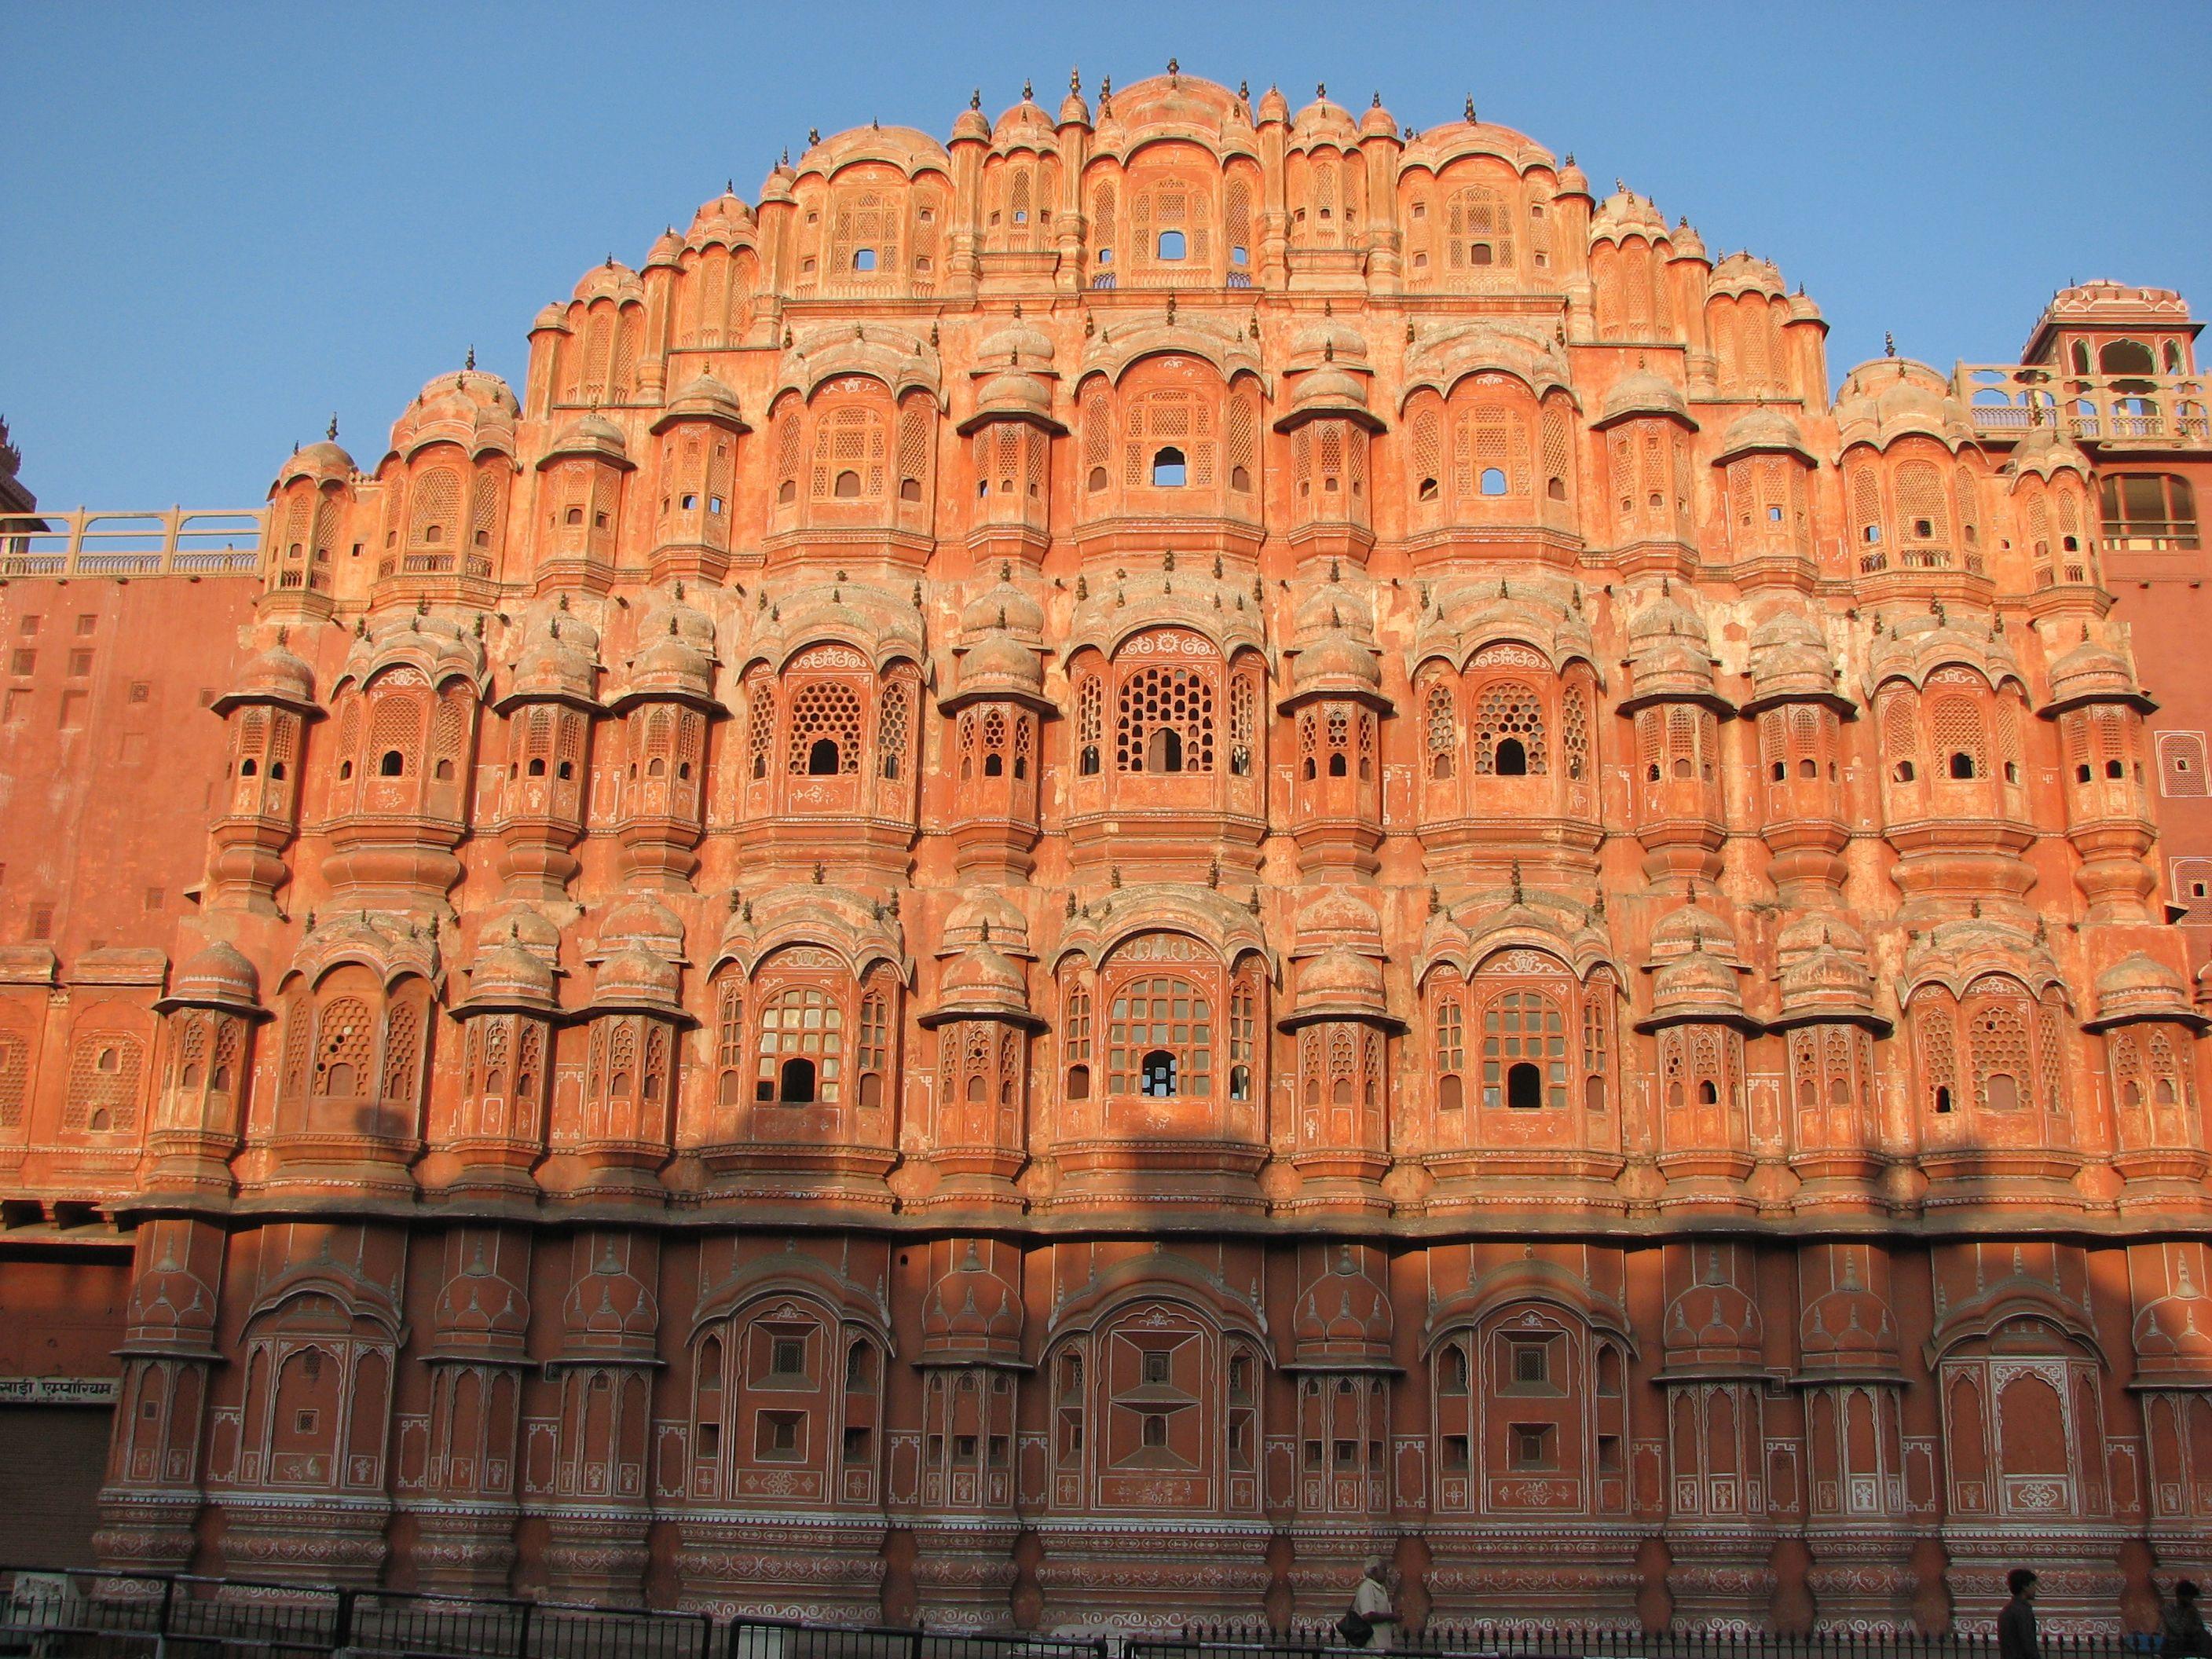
1509,731
1168,470
1156,1018
1524,1050
2126,357
802,1045
1159,703
825,728
1172,245
851,454
1443,730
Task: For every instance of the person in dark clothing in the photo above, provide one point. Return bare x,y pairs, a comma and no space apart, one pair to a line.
2016,1624
2182,1633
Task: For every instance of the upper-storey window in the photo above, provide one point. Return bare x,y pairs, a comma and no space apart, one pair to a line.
1166,719
2148,510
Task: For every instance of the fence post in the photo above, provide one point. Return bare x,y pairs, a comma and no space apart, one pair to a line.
522,1630
168,1598
913,1642
342,1626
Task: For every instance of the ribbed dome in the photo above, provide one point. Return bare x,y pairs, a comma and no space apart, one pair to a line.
1328,391
1624,214
972,1312
507,971
2047,449
1344,1315
476,1310
1790,657
1012,392
1744,273
702,398
1377,122
726,220
675,655
1765,431
1001,664
322,461
1026,123
1003,606
1643,394
980,980
1698,986
1324,122
1018,344
217,974
559,659
1335,660
2139,988
1341,984
636,976
971,126
610,1310
2093,671
274,676
590,433
1713,1323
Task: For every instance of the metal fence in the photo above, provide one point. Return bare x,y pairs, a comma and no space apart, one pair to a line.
95,1615
1445,1639
109,1616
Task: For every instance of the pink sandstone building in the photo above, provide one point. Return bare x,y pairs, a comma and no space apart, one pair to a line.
1083,871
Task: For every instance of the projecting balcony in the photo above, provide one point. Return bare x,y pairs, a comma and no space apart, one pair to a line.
2135,411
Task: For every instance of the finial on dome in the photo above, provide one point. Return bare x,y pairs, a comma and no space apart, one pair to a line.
1244,92
610,261
1517,881
1029,92
787,156
821,874
1888,343
1470,109
729,188
1174,68
469,361
1106,86
1320,89
1114,878
1376,103
332,432
1329,351
1171,306
814,135
976,98
1075,79
1621,184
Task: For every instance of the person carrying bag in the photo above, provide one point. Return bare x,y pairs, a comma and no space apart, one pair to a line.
1365,1624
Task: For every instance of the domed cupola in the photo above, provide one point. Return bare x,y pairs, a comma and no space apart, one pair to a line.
1669,655
1343,1320
1712,1326
974,1312
998,705
320,463
1010,433
1791,662
216,976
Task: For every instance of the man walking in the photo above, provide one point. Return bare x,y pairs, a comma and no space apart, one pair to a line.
2016,1624
2181,1626
1371,1601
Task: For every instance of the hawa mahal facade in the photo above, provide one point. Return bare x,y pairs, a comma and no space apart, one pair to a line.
1082,872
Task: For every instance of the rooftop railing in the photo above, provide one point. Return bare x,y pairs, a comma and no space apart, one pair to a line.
178,542
2010,400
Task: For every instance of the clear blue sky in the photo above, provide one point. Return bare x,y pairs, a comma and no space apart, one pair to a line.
225,221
